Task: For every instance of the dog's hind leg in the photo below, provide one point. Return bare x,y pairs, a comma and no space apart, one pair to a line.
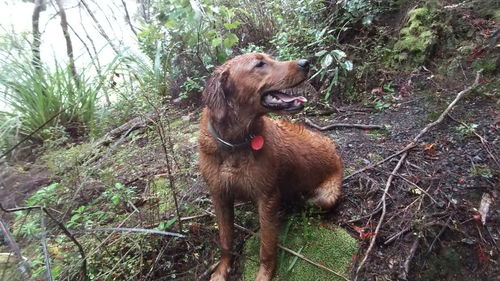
328,192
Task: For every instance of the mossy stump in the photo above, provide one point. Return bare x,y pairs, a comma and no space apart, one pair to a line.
331,246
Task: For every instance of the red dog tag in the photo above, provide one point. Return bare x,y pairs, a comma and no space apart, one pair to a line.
257,143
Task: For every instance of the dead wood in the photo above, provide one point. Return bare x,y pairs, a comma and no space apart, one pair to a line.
342,125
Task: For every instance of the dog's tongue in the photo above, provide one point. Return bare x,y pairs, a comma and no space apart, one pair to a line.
287,98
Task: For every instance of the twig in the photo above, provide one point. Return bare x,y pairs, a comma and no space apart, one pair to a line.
194,217
418,187
289,251
208,271
371,166
30,135
312,262
25,267
43,240
139,230
342,125
382,216
413,249
395,236
63,229
439,234
403,157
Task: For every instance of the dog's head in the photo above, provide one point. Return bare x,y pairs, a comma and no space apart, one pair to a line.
253,84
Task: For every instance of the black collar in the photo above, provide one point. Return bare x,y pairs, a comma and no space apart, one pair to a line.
226,144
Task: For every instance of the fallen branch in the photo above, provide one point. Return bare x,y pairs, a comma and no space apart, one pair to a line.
289,251
342,125
403,157
137,230
382,216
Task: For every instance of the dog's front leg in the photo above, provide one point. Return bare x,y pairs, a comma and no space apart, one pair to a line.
224,211
269,230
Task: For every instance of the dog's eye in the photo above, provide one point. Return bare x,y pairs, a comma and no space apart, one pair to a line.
260,64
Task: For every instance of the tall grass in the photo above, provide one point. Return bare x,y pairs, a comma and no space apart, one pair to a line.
33,95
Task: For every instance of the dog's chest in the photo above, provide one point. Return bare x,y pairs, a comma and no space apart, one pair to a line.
244,172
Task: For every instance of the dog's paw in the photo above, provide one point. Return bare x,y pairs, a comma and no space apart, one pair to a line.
263,275
218,277
221,273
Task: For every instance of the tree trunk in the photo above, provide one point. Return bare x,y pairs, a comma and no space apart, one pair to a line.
35,47
99,27
127,18
69,44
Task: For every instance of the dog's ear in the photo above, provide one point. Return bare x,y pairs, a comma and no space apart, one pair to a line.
216,93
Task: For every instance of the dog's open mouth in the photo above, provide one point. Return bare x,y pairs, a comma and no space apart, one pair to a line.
276,100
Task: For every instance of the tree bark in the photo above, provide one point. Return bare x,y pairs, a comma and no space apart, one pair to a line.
35,20
127,18
99,27
69,44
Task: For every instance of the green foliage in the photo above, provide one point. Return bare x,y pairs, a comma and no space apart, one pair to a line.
43,196
466,130
482,170
34,95
120,194
333,247
197,35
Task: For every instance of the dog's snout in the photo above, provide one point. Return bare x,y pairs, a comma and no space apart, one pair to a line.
304,64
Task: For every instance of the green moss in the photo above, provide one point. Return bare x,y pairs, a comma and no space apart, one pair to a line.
417,38
332,247
496,15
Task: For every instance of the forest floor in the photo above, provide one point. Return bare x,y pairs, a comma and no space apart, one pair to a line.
432,222
442,216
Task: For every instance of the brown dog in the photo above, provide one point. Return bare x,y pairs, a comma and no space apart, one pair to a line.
245,154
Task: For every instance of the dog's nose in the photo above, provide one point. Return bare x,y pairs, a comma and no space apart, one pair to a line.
304,64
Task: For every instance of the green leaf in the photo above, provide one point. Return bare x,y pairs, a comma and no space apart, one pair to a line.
347,65
326,61
80,209
116,199
339,54
294,260
232,25
221,57
216,42
230,40
320,53
75,217
170,222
